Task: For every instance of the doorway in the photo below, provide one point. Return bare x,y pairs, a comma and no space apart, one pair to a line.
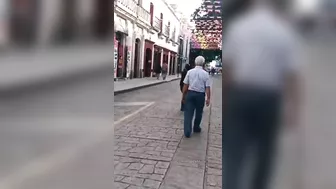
136,58
103,18
157,58
68,18
125,62
148,62
120,63
24,21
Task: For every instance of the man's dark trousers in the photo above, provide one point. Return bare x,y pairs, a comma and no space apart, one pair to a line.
194,102
250,124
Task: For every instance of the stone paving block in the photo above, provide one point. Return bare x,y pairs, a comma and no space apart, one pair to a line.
214,181
152,184
214,155
211,187
184,177
214,171
119,185
133,181
145,148
157,122
138,172
156,133
215,140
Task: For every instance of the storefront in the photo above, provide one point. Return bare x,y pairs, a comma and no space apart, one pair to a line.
148,60
121,48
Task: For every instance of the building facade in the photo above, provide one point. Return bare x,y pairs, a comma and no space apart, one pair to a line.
147,34
49,22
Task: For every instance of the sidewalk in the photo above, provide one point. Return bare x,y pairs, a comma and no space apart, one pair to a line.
20,69
133,84
150,151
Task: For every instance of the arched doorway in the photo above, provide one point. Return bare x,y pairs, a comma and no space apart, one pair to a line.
148,62
136,58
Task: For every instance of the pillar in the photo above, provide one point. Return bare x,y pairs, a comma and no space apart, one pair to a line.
142,55
50,12
129,44
161,62
152,65
168,62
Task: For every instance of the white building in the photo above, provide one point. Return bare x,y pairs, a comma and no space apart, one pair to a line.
146,35
34,22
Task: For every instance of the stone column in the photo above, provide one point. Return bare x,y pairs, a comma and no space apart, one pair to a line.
152,65
50,17
168,62
142,55
129,44
161,63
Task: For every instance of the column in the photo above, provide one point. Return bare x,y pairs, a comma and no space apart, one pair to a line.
142,55
132,70
152,65
129,44
50,15
169,64
161,60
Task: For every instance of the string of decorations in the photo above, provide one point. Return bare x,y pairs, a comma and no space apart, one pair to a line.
208,25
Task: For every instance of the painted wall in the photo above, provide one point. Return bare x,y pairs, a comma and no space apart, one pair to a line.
168,16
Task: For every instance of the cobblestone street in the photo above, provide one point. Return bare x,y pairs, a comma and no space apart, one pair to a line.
150,151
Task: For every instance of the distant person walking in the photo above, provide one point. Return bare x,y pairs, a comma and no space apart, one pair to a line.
261,67
213,71
196,88
164,70
157,71
183,75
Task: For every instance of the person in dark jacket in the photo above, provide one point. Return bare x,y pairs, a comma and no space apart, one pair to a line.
183,75
157,71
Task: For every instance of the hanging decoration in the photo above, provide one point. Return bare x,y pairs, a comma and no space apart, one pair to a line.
208,25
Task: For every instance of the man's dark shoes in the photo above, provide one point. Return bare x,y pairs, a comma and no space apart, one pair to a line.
197,129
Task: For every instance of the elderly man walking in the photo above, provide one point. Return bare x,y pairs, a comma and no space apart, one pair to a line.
196,88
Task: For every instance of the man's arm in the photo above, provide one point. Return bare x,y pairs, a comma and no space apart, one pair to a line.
208,90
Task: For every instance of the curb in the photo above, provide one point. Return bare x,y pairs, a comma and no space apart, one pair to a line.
143,86
31,86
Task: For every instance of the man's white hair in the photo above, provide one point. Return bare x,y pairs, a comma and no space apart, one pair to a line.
199,61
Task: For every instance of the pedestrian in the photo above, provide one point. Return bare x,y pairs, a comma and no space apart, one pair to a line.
260,68
183,75
164,70
157,71
213,71
196,88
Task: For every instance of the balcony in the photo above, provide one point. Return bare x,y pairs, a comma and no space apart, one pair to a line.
130,6
157,24
144,15
166,31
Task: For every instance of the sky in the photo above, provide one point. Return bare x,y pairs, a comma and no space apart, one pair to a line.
189,6
186,6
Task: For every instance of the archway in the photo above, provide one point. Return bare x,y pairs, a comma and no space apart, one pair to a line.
136,58
148,62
